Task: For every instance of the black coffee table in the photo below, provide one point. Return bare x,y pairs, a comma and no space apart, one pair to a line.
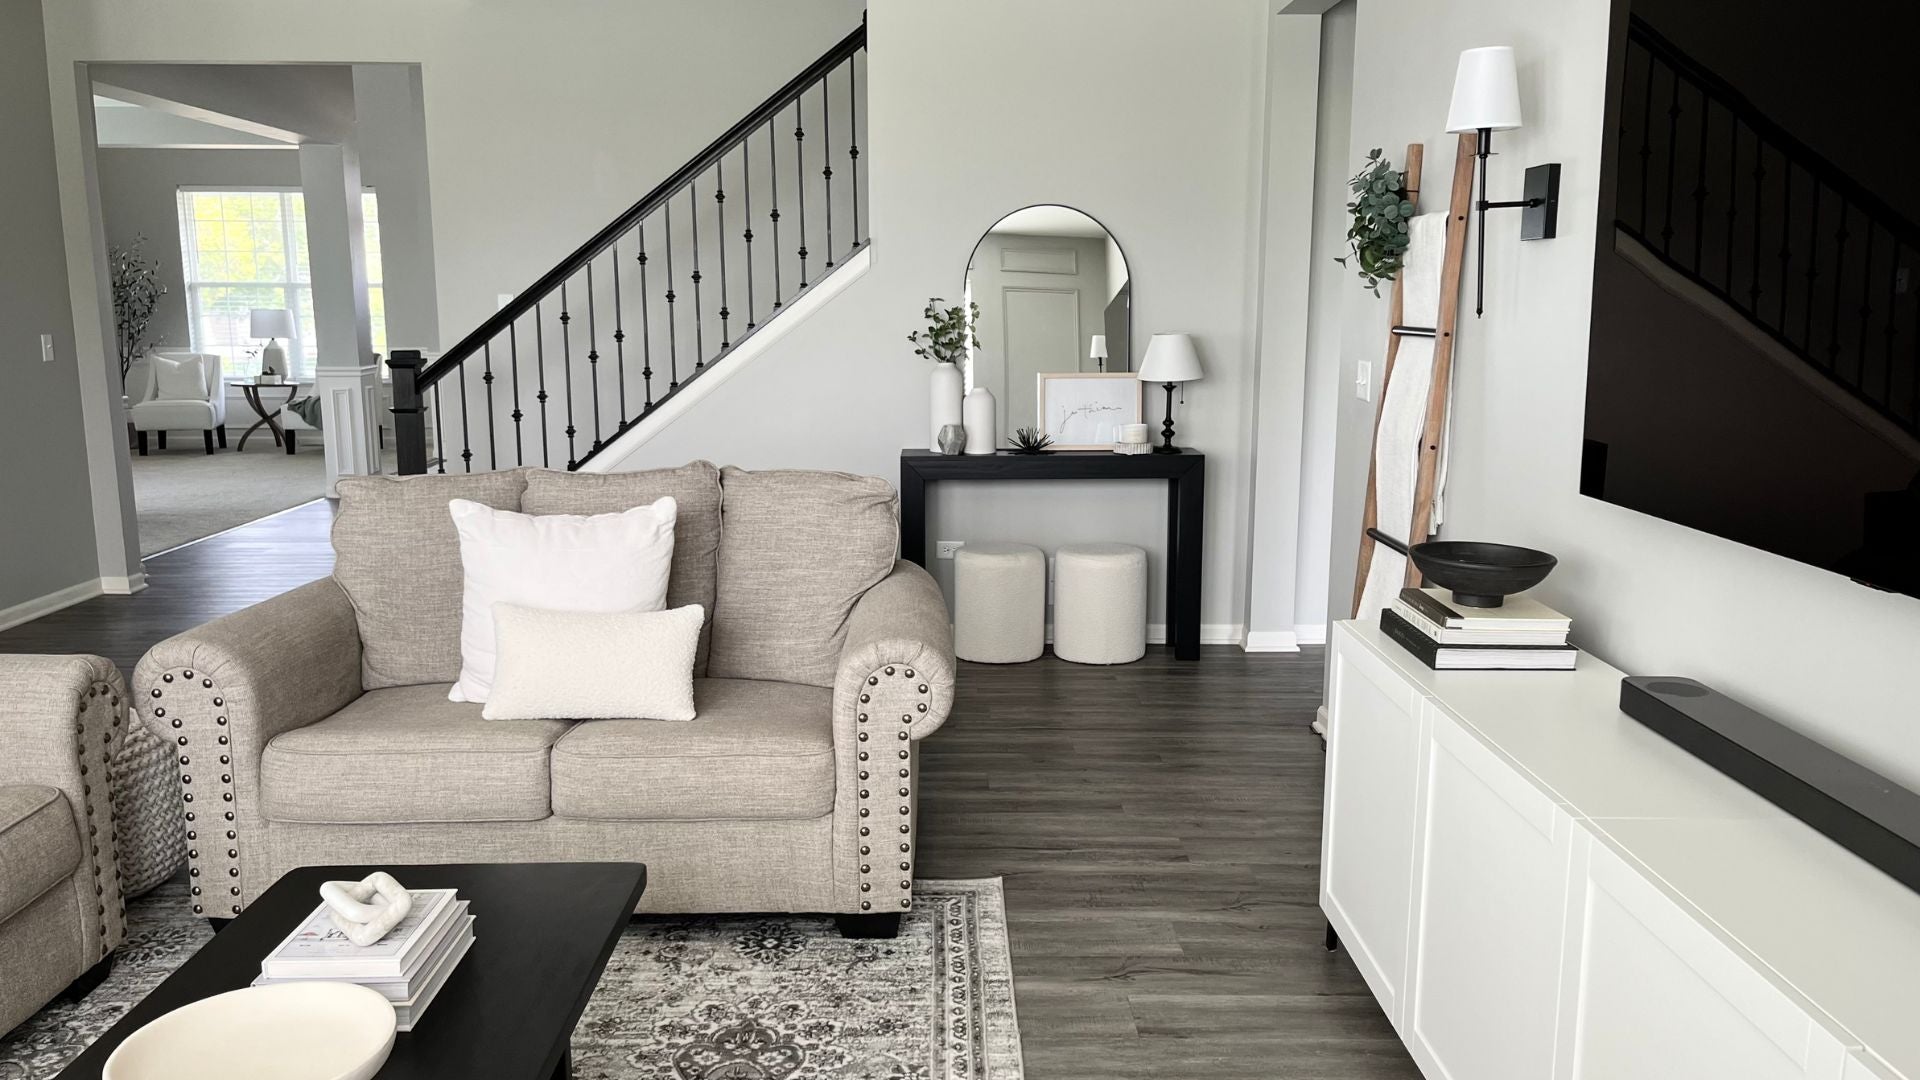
543,932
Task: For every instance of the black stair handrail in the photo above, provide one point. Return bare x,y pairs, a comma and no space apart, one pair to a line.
524,302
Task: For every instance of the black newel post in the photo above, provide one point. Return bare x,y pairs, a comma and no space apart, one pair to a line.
409,422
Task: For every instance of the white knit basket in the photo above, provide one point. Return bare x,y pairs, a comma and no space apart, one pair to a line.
150,832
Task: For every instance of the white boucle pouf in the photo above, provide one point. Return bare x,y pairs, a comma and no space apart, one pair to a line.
1100,603
999,603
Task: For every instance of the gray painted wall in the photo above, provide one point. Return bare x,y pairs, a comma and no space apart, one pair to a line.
1829,657
46,530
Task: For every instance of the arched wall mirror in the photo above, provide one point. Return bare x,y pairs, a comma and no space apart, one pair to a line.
1054,297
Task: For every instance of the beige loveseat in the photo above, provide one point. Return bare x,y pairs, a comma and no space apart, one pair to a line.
315,728
61,719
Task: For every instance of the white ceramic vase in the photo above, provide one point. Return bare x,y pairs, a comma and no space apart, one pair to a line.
982,428
946,386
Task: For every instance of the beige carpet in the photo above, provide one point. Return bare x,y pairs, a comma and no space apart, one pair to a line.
183,493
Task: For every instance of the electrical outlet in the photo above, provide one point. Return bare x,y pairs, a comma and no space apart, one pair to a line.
944,549
1363,380
46,348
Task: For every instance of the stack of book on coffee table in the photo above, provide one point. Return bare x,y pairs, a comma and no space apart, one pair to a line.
408,966
1522,634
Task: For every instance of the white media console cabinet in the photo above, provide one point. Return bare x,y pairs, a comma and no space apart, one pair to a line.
1537,887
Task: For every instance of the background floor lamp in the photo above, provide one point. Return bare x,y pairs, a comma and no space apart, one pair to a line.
1486,99
1170,360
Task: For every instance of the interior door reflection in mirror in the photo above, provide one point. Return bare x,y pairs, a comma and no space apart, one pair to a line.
1054,296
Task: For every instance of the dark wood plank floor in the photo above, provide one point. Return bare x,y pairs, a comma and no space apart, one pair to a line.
1157,825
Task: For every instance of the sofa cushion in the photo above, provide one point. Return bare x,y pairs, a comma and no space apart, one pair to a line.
695,487
38,844
797,549
171,416
406,754
753,750
397,556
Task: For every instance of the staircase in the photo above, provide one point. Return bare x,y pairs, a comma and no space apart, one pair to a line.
661,298
1745,212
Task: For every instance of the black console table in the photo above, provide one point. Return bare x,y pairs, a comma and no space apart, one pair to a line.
1184,472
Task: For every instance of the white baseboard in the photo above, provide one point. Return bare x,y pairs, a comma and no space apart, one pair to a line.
1210,633
1311,635
1271,641
124,586
29,610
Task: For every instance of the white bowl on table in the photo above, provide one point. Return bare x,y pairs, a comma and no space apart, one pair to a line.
285,1031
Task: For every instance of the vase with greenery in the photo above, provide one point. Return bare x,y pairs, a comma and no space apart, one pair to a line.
1377,232
945,341
134,280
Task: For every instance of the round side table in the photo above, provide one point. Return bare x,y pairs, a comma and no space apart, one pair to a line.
251,389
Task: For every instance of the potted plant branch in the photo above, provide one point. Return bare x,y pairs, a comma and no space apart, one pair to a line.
1377,235
134,281
945,341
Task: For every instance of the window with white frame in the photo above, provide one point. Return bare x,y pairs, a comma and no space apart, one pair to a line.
248,249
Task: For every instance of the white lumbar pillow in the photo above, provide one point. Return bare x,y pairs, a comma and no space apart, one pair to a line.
179,380
573,665
562,562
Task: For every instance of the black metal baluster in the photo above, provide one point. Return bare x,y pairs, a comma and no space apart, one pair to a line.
1866,300
1839,282
566,370
1759,209
1786,234
800,176
853,146
466,426
1813,262
1700,190
646,324
720,208
593,356
773,215
440,431
540,369
1646,148
619,337
486,378
746,193
673,335
699,319
513,361
1733,190
1673,162
1893,294
826,155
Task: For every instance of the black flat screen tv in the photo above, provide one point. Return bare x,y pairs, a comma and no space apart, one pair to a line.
1754,365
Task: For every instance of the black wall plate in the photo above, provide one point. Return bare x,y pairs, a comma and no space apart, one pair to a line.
1542,221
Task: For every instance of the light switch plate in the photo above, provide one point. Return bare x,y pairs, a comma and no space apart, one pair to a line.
944,549
1363,380
46,348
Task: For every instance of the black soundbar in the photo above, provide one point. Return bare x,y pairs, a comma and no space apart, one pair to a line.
1855,807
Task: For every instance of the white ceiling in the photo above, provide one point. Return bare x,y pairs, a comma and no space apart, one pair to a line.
1049,221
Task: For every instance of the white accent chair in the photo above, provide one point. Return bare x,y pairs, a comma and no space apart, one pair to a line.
149,412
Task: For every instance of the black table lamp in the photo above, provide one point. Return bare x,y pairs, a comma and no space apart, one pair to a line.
1170,360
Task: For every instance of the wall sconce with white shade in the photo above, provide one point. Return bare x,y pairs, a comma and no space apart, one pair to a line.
1486,99
1097,351
1170,360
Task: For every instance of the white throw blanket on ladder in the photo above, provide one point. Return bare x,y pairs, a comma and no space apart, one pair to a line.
1403,415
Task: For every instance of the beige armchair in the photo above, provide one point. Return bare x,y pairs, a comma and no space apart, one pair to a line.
61,912
206,412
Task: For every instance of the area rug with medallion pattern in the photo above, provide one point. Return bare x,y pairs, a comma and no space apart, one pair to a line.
696,998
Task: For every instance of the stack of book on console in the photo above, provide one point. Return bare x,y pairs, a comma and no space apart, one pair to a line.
408,966
1523,634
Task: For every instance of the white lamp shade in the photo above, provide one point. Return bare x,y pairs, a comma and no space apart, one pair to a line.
1486,91
1170,358
1098,350
271,322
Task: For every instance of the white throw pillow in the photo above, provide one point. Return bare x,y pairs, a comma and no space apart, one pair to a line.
179,380
561,562
573,665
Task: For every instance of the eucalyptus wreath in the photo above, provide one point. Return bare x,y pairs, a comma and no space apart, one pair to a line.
949,331
1377,236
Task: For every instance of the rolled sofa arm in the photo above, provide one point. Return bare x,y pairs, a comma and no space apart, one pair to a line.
219,693
897,664
62,719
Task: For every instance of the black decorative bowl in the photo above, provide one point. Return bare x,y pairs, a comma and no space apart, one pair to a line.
1481,575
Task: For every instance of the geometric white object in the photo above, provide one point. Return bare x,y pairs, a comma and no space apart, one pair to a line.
999,603
1099,603
366,910
289,1031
